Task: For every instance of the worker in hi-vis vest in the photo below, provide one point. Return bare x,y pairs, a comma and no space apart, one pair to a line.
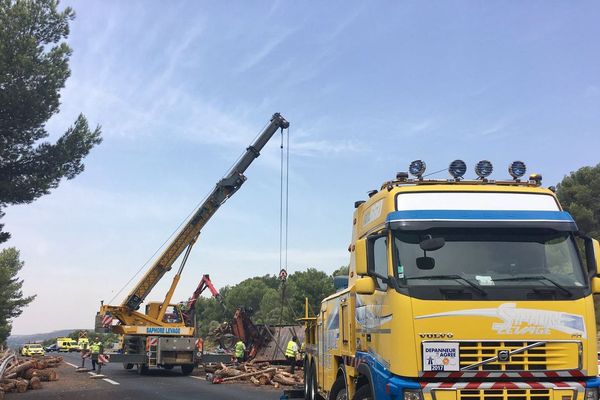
291,351
96,348
240,351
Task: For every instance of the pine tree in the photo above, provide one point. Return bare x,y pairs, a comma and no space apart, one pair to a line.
34,66
12,300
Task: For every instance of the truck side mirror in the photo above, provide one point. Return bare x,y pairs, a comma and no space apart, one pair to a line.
592,254
596,285
360,257
365,285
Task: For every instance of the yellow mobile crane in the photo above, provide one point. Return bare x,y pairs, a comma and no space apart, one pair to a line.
160,337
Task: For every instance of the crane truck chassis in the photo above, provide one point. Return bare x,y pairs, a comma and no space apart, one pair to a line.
459,290
163,336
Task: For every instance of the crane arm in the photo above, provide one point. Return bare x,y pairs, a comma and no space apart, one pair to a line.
188,235
205,283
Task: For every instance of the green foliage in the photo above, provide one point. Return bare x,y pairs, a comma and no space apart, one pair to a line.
12,301
248,293
312,283
579,194
263,294
341,271
34,66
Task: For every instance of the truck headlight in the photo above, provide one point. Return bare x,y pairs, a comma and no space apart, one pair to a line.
591,394
412,394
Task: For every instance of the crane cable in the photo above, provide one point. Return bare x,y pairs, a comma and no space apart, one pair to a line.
283,243
283,236
284,206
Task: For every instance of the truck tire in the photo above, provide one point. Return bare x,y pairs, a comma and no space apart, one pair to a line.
128,365
363,393
187,369
314,390
228,341
142,369
307,381
338,390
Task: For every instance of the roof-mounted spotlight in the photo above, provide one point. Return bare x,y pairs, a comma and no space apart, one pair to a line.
517,169
536,179
417,168
483,169
401,176
457,169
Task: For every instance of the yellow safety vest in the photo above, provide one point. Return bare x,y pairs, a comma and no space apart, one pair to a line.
95,347
240,347
291,349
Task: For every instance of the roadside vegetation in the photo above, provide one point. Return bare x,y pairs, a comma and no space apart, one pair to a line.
267,299
34,66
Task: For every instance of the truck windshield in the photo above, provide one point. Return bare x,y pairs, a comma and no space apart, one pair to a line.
490,257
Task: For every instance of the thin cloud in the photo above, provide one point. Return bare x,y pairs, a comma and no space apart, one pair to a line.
257,57
319,148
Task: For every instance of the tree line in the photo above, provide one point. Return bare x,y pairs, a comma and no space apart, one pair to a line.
268,299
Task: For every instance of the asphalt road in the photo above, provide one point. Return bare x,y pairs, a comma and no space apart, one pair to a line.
123,384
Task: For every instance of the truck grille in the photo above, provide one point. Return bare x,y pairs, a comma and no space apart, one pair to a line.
505,394
542,356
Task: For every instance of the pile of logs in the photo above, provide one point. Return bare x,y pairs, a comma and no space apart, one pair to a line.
22,374
259,374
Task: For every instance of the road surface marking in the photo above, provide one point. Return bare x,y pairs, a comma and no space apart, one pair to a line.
72,365
111,381
197,377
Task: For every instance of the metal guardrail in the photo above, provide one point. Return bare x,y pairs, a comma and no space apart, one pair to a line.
11,357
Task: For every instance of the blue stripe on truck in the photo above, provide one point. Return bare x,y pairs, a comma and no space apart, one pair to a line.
480,215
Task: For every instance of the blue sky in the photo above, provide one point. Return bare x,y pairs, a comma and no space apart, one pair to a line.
181,90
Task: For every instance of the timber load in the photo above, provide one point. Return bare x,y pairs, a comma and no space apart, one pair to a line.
22,374
256,373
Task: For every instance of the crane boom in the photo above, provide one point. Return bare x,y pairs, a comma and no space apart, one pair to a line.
187,236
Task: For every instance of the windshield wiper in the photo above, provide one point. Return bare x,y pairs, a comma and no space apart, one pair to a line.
474,285
538,278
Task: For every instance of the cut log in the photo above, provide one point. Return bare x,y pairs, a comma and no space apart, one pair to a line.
248,375
255,381
284,380
46,375
9,386
35,383
21,386
228,372
21,367
264,379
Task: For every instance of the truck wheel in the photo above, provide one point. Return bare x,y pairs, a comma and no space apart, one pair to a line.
127,365
187,369
307,381
314,392
338,390
142,369
363,393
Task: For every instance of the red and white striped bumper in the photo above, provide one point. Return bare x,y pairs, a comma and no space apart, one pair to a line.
429,386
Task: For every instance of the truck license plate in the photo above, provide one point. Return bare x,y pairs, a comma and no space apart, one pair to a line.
440,356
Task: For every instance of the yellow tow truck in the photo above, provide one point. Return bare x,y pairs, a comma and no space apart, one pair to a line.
460,290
